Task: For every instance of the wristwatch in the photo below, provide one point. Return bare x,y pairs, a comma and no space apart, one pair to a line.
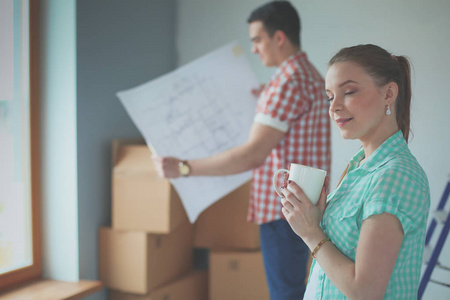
184,168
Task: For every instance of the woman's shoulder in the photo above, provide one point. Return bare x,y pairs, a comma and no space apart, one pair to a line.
405,169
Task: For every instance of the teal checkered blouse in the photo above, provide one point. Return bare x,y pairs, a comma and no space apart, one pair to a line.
392,181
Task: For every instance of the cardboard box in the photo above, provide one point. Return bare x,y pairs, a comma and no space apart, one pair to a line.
141,200
138,262
237,276
224,225
193,286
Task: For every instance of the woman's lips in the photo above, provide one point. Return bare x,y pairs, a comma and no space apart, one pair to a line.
342,121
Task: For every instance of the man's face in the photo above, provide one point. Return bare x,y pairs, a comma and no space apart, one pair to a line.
262,44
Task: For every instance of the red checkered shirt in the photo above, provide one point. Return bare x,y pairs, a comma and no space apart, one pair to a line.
294,102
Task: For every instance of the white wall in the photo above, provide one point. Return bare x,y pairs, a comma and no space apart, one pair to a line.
58,140
418,29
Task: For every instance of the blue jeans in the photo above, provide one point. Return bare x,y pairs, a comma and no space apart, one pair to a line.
285,258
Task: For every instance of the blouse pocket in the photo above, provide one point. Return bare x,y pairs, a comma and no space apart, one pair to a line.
344,212
343,208
343,227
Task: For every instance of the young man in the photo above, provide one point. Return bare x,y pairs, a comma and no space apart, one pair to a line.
291,125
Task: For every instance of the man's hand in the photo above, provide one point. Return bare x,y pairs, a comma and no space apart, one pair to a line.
167,167
256,92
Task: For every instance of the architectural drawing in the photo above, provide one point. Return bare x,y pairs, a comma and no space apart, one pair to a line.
198,110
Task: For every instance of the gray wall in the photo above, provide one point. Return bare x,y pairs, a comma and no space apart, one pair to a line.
119,44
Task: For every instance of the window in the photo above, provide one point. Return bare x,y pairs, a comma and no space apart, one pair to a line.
20,258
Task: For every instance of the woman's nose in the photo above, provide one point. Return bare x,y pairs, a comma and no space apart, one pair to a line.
335,104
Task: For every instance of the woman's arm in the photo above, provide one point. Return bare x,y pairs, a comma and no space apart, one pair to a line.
379,243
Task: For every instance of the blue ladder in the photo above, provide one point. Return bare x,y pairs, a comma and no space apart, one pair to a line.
444,218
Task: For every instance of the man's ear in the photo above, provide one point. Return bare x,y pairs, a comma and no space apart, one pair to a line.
280,37
391,93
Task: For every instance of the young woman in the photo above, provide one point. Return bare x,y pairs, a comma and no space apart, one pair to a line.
368,242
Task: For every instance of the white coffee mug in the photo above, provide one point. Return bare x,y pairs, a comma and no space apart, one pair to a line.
309,179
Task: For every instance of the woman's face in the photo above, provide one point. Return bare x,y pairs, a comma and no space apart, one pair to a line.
357,105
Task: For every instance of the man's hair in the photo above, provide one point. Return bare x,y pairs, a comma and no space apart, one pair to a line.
278,15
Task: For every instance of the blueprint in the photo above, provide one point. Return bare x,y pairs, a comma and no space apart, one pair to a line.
198,110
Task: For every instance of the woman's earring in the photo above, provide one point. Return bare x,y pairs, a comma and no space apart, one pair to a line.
388,110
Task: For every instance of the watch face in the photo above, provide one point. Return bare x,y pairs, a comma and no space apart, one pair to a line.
184,169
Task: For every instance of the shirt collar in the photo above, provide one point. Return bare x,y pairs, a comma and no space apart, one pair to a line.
384,153
288,61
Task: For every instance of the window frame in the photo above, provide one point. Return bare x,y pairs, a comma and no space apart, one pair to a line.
33,271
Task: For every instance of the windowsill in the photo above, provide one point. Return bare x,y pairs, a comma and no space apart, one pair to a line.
53,290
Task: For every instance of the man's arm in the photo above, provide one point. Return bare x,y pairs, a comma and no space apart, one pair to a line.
250,155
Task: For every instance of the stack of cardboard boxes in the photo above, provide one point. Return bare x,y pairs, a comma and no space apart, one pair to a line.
148,251
235,261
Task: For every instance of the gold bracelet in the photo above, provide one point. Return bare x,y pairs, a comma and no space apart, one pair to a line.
319,245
